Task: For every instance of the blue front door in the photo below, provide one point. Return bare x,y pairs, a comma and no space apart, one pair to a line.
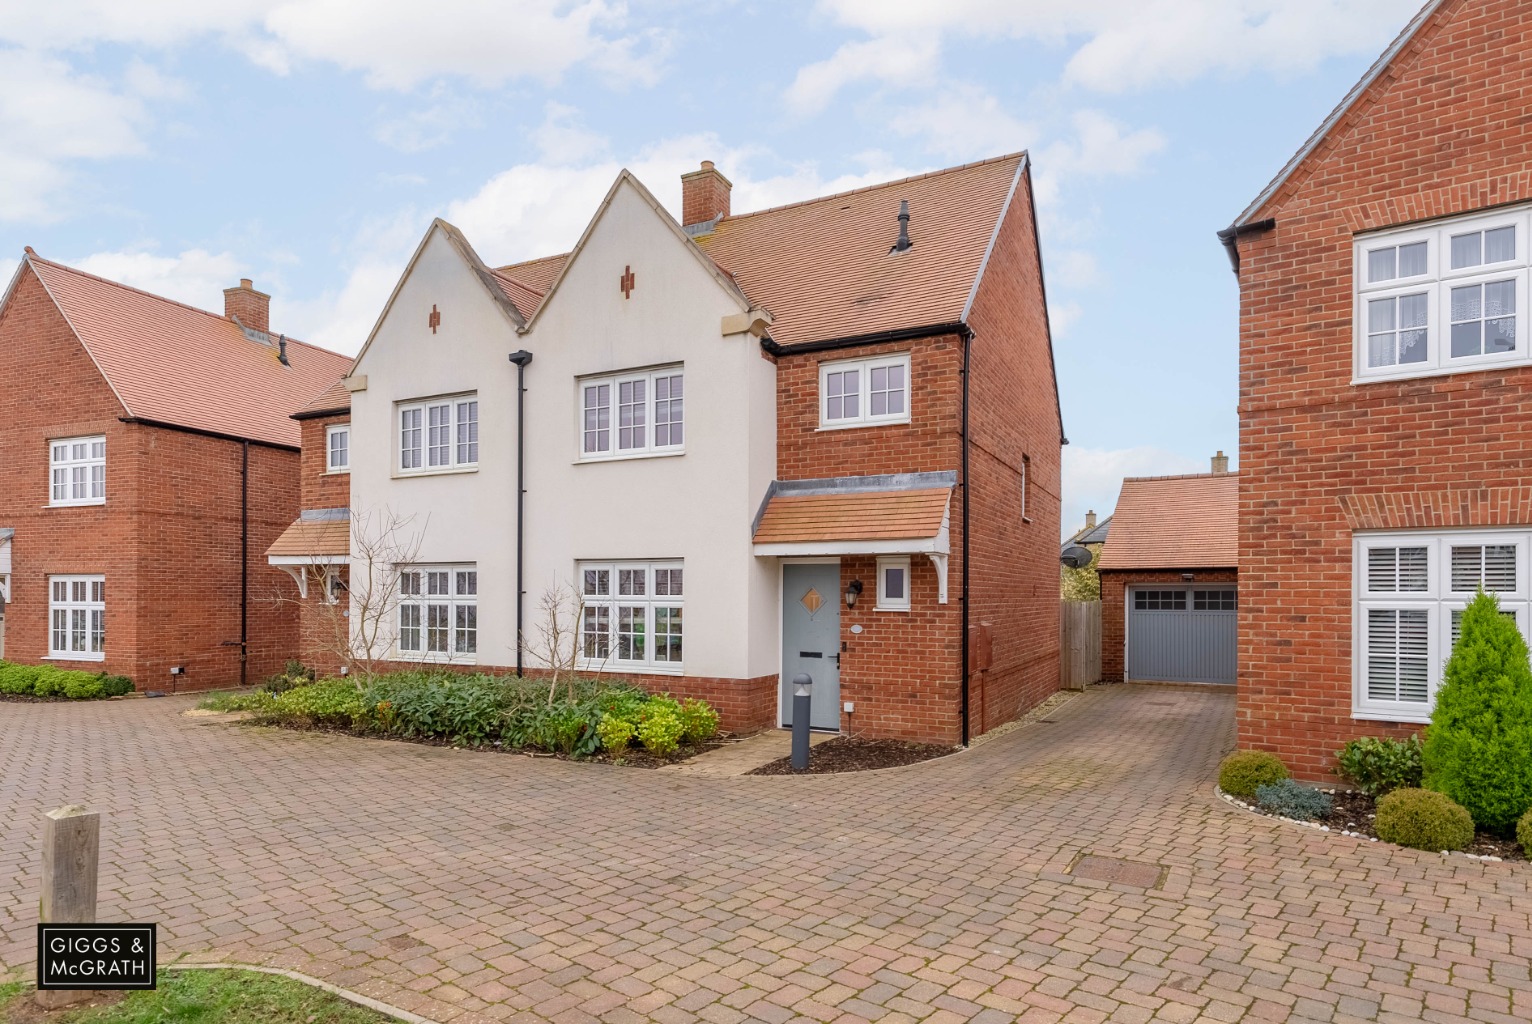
811,640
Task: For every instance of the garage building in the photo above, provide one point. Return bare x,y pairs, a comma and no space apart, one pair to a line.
1169,574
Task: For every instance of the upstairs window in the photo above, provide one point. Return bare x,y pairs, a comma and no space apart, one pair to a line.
439,436
1443,297
632,414
862,392
338,448
78,471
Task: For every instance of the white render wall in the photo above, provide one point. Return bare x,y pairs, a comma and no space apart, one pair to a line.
697,506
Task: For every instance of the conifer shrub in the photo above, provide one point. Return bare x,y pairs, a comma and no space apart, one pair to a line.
1478,749
1244,771
1423,820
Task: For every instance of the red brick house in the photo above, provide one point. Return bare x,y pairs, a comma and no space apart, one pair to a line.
1386,387
1168,573
138,498
862,482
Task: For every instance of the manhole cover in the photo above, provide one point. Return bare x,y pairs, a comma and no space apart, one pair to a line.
1124,872
397,942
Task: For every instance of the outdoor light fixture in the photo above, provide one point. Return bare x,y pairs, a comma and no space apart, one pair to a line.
853,591
1188,577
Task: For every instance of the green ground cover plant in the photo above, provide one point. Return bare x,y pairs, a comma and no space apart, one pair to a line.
214,997
52,681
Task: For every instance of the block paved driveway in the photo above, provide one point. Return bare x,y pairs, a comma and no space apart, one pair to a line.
471,886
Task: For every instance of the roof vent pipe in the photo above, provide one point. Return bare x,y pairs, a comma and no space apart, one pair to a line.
904,227
282,350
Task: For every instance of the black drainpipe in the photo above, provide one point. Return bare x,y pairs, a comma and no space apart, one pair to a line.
521,359
967,336
244,564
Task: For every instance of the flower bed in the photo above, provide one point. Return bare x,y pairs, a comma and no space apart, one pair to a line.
575,718
49,682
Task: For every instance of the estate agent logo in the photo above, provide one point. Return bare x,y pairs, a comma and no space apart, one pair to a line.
95,956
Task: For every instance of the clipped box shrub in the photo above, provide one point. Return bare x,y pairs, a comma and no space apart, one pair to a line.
1478,750
1289,799
17,680
116,686
1423,820
1244,771
1380,766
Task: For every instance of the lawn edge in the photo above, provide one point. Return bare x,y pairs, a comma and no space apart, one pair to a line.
398,1013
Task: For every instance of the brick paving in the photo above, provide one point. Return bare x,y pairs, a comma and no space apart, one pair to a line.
471,887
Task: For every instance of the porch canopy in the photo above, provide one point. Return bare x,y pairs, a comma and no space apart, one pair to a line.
319,537
902,514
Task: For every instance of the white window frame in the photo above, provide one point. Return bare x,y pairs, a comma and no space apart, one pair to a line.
614,382
83,611
80,471
458,602
1438,600
601,615
330,433
886,603
457,415
1437,284
864,366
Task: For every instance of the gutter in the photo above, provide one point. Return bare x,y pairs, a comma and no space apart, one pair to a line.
775,348
161,425
314,414
1231,235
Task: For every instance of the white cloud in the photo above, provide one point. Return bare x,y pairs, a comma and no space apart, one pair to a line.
1071,268
7,268
51,117
893,60
432,126
196,277
1093,476
964,122
563,137
341,318
1062,317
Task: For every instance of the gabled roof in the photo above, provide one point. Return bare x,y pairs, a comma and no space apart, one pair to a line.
1175,522
334,399
823,268
1338,114
1088,535
172,364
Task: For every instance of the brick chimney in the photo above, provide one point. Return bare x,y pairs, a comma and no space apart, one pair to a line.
704,195
1220,463
252,307
1090,520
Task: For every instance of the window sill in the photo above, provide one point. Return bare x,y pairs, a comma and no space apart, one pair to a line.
76,504
630,668
1451,371
416,658
75,657
1408,717
890,608
410,474
345,472
630,457
862,424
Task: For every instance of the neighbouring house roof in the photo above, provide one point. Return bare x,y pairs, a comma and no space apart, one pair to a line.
823,269
314,534
1090,534
332,400
1313,142
1175,522
172,364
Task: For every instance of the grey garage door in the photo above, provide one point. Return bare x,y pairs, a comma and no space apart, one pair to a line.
1182,634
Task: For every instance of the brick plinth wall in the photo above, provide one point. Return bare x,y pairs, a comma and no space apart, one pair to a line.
1441,132
1114,608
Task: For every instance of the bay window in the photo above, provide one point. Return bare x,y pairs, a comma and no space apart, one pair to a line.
631,615
632,414
439,612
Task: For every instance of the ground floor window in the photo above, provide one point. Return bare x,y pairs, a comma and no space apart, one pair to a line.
894,584
1410,592
631,615
439,612
77,609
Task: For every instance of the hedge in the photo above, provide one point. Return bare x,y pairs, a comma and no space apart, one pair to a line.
51,681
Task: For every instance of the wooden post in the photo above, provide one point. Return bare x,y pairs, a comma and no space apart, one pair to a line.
71,854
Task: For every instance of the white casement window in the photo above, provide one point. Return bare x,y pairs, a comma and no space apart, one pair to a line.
78,468
1411,589
439,612
632,414
77,618
631,615
1443,297
858,392
440,435
337,443
893,585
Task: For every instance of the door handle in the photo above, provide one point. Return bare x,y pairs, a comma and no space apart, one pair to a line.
836,656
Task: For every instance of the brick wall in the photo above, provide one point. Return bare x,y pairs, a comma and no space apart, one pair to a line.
1114,590
321,488
167,539
1442,132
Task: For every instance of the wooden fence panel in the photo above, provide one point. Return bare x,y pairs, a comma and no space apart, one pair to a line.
1079,644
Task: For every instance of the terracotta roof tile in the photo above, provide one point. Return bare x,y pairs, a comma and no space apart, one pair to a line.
864,515
525,298
171,363
823,267
313,537
333,398
1175,522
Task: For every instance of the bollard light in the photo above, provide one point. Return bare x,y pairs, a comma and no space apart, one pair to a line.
803,690
803,685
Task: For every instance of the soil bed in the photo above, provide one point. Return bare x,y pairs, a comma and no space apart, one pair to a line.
847,754
1354,812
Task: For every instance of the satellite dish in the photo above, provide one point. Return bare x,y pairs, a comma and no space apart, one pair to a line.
1076,557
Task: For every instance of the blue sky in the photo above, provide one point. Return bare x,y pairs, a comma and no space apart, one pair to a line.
179,145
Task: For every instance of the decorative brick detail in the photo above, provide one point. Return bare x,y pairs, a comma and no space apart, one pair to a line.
1439,133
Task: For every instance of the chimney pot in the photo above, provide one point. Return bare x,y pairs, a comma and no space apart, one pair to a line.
252,307
704,195
1220,462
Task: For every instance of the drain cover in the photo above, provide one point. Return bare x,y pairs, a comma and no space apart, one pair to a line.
1123,872
397,942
